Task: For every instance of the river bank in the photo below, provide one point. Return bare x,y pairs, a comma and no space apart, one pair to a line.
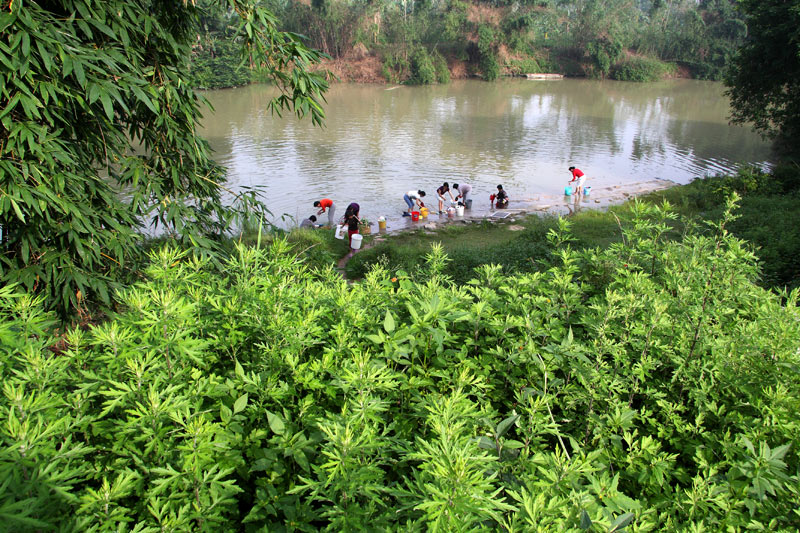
519,242
600,197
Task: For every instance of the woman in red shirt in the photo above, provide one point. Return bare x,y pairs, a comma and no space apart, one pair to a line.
577,175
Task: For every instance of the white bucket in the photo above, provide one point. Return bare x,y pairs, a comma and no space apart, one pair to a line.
355,241
460,211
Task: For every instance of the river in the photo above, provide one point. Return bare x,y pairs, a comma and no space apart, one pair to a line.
380,141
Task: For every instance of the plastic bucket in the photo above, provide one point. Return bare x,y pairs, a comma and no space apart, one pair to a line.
381,225
460,211
423,212
468,203
568,190
355,241
414,215
586,190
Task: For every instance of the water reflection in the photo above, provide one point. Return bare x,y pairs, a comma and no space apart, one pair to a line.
380,141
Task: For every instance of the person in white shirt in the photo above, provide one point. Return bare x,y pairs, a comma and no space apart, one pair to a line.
412,197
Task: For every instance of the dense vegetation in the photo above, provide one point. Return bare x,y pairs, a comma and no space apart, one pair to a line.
648,386
634,40
95,101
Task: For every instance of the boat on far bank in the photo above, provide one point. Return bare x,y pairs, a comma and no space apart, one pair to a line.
541,76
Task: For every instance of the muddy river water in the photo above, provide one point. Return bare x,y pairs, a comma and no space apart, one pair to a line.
380,141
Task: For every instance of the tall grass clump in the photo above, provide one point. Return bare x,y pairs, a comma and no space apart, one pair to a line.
641,69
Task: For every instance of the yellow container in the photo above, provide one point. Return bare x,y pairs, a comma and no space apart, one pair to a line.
381,225
423,212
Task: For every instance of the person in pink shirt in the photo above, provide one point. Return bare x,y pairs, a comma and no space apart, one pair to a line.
577,175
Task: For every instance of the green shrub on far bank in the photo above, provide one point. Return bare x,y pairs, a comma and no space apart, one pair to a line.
217,64
641,69
520,67
395,68
442,70
422,70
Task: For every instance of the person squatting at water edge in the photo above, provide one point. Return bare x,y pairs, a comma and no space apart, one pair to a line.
445,188
326,203
309,222
463,192
577,174
412,197
499,200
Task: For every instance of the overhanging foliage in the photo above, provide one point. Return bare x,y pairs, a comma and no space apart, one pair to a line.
98,132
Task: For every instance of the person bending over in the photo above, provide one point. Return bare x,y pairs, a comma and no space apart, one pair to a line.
464,191
326,204
440,192
577,175
411,198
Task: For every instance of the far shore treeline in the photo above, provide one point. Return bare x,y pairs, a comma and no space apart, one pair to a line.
633,370
424,41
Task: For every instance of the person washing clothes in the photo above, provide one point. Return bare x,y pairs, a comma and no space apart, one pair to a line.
352,221
445,188
463,191
309,222
577,175
499,200
326,204
412,197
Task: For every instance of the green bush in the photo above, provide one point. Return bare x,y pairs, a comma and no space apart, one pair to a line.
618,388
523,66
641,69
422,70
487,55
216,65
395,68
442,70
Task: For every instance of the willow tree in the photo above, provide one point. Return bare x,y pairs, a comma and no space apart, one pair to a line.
98,133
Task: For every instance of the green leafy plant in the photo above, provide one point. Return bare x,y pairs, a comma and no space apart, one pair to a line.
96,100
617,388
